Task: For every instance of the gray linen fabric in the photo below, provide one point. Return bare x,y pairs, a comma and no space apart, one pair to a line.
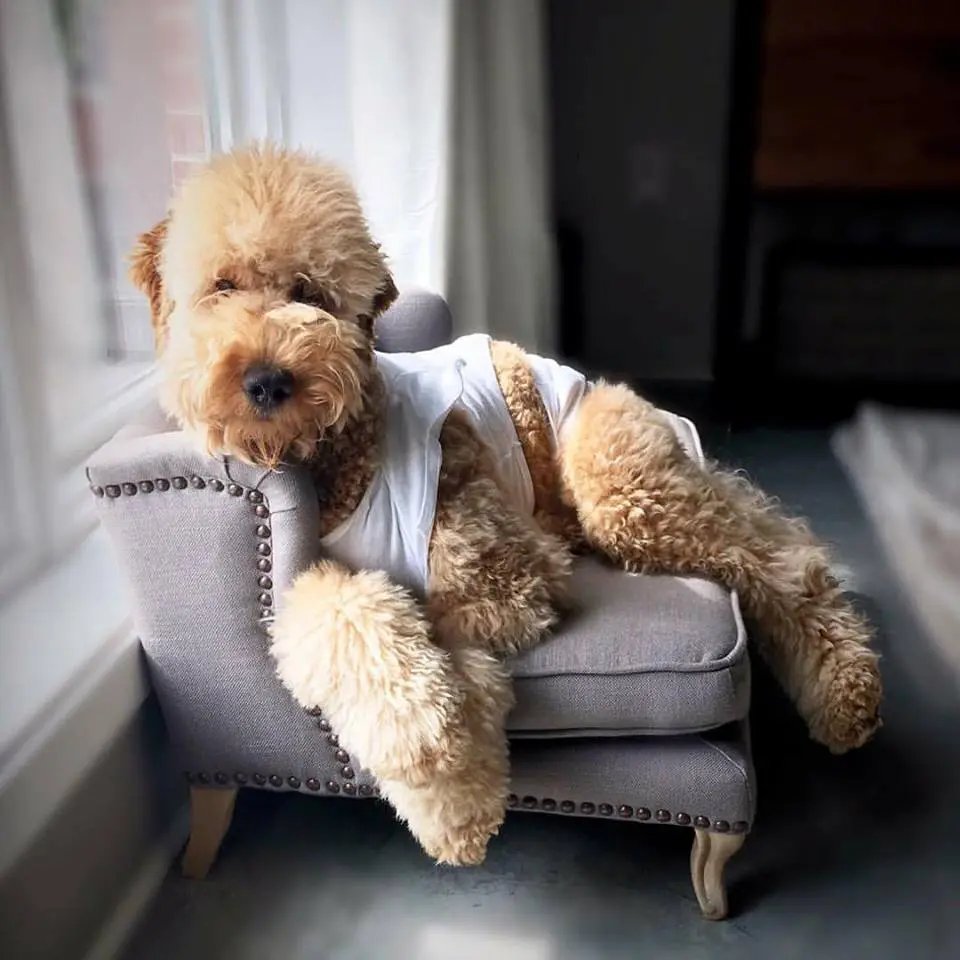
208,547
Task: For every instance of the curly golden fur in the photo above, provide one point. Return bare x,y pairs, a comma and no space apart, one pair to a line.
266,257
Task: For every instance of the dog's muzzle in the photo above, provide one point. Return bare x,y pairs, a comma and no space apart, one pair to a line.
267,387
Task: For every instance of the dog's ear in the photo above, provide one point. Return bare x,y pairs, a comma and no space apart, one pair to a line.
145,274
384,297
382,301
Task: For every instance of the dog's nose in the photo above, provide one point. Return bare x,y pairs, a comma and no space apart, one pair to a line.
267,387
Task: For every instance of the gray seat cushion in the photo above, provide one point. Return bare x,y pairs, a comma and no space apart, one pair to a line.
640,655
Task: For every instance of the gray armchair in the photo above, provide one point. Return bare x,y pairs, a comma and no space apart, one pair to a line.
635,710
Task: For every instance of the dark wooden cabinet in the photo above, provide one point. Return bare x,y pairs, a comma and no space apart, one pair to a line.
860,94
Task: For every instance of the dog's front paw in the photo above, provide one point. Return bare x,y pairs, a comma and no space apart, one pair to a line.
468,848
850,714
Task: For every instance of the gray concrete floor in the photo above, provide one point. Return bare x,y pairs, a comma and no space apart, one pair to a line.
850,857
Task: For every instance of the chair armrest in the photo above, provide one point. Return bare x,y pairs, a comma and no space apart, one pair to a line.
208,546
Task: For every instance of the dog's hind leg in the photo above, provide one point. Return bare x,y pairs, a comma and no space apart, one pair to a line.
358,647
648,506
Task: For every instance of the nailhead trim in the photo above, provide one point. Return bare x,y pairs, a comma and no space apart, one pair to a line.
528,802
256,498
627,812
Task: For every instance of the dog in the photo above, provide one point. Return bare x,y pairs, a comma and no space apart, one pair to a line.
454,488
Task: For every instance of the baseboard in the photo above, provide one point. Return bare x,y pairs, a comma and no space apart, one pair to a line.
128,913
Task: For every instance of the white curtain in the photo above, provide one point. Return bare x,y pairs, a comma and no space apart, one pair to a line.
437,108
500,274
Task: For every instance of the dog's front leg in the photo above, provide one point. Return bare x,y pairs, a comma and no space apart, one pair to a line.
358,647
456,813
494,586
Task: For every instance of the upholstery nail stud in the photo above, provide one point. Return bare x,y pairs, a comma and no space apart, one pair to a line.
683,819
663,816
113,490
261,511
701,822
529,803
97,491
255,496
217,485
146,486
234,489
179,483
548,804
624,810
643,813
276,780
129,489
512,800
265,566
587,808
262,531
293,782
163,484
567,806
333,786
313,784
263,549
349,789
259,779
721,826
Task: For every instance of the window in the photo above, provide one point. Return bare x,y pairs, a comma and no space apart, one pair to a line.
102,113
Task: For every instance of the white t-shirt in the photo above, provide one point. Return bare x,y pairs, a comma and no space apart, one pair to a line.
390,529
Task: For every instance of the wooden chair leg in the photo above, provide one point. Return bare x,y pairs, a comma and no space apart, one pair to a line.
709,857
210,813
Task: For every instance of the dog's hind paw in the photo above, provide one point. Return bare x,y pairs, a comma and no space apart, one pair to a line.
850,715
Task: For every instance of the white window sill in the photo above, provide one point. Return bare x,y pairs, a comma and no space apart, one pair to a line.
71,676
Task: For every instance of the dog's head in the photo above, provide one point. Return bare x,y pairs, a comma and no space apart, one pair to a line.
264,284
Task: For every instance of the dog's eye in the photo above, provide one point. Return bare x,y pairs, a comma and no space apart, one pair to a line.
223,285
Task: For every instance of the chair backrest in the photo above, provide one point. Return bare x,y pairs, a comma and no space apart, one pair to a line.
418,320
